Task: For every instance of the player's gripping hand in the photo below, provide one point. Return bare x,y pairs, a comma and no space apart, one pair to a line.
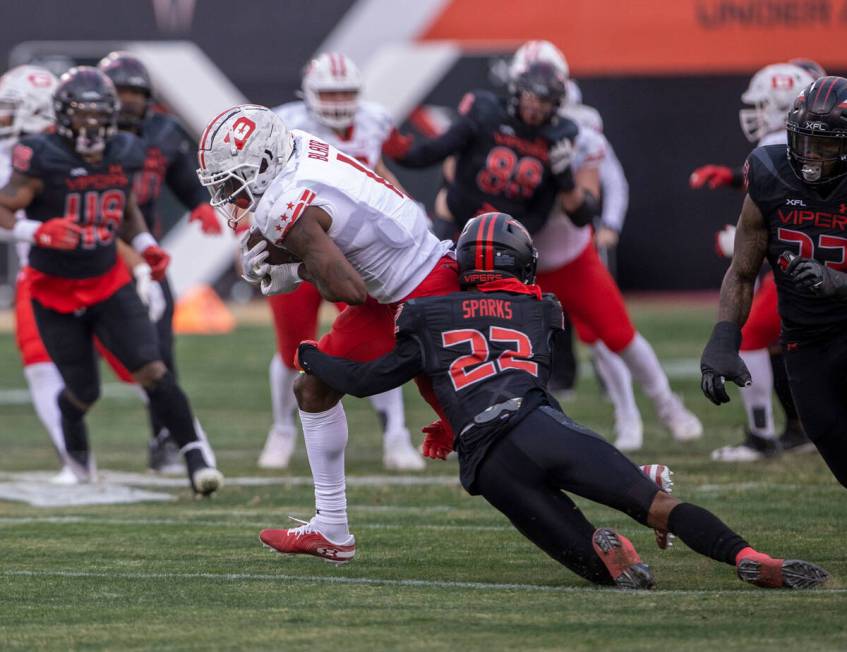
208,218
561,156
713,175
158,259
301,348
149,291
59,233
817,278
280,279
253,265
721,361
437,443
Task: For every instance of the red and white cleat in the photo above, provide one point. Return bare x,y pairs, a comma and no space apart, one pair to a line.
622,561
661,475
308,540
767,572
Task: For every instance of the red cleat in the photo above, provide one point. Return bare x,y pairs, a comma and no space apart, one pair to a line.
622,561
765,571
308,540
661,475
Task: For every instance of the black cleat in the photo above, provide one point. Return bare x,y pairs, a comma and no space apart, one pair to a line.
622,561
794,440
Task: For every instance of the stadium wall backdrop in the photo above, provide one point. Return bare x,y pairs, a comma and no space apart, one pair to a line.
668,108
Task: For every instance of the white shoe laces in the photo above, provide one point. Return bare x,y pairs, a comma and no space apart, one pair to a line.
306,527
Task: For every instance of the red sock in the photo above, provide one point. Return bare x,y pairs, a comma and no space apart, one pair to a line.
749,552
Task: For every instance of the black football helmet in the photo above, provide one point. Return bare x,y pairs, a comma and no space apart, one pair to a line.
86,107
127,72
541,79
817,131
494,246
810,66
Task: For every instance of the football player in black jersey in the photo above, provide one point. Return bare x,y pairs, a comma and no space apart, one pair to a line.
488,352
795,215
169,161
76,188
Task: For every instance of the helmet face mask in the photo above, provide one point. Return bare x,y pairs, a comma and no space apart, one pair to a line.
331,87
817,132
771,93
241,152
132,81
494,246
86,106
537,93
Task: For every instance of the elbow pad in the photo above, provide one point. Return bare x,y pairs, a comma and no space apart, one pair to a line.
587,211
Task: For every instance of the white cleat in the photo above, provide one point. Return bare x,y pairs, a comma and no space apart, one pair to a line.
206,480
66,477
400,455
752,449
682,422
278,448
629,433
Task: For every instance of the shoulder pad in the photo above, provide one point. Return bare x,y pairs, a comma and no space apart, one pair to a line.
406,318
275,220
161,126
25,155
128,149
290,111
554,310
560,129
479,104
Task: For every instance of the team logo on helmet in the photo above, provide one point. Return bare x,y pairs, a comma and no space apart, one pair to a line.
241,131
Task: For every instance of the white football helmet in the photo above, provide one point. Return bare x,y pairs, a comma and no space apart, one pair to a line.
772,91
538,52
26,101
329,73
241,151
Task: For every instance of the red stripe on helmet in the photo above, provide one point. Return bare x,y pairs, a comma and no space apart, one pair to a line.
489,241
202,146
478,264
829,90
342,65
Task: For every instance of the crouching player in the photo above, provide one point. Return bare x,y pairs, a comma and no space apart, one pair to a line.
488,351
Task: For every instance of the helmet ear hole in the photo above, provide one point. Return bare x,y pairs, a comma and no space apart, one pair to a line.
263,166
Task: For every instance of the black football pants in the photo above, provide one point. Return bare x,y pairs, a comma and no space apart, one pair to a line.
525,474
817,375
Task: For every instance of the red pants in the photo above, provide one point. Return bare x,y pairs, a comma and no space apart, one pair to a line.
590,296
762,328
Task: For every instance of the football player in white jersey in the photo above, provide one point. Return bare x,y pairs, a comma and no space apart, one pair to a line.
568,266
770,94
330,109
361,241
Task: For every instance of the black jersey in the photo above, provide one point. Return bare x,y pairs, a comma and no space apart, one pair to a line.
802,222
488,355
94,194
502,164
170,160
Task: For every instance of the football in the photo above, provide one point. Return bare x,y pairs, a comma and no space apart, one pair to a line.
277,255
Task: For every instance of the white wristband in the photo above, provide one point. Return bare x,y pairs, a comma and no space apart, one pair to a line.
142,241
24,230
142,270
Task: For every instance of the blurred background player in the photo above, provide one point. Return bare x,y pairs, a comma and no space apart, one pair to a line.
75,185
169,162
330,109
500,166
771,93
794,215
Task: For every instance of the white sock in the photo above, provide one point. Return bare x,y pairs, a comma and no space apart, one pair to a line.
283,401
642,362
45,382
390,405
617,379
757,397
208,453
326,437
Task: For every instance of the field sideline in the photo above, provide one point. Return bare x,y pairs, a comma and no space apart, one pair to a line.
436,569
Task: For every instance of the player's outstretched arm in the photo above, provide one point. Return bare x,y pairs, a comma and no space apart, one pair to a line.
16,195
363,379
326,266
429,151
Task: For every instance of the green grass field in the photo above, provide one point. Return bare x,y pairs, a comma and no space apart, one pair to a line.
436,569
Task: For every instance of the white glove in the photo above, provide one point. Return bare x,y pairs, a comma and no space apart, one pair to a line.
561,156
156,307
253,265
725,241
280,279
149,291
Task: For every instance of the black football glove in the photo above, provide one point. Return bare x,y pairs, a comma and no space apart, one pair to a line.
817,278
721,361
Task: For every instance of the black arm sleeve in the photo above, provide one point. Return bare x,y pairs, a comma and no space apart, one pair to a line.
430,151
737,180
587,211
181,178
365,378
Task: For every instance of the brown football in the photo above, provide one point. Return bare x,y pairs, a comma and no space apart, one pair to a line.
278,255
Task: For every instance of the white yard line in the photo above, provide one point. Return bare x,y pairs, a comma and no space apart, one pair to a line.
405,583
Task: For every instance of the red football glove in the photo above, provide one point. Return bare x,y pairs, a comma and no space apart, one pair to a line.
208,218
438,442
715,175
396,146
158,259
59,233
311,343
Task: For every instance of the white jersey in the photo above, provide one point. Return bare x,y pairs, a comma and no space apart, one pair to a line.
379,230
774,138
22,248
362,140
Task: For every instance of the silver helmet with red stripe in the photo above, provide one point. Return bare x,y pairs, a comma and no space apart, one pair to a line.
771,92
331,86
493,246
241,151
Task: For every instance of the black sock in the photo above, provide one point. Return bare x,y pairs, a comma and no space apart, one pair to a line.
780,385
74,430
705,533
169,406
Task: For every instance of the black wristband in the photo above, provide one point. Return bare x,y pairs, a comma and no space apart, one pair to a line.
727,332
587,210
